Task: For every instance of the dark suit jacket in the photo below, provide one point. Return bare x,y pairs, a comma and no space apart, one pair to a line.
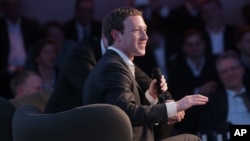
214,117
182,82
112,82
68,91
70,30
229,39
30,31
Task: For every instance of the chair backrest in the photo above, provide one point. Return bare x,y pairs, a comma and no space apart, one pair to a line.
6,114
97,122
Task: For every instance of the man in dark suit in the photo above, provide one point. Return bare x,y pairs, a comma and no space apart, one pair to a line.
83,26
185,16
113,81
68,92
231,104
17,34
192,72
219,34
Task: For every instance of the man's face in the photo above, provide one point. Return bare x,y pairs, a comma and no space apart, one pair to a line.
47,56
244,44
194,46
134,38
85,12
32,85
230,73
212,13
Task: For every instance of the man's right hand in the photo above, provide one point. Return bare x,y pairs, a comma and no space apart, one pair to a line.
190,100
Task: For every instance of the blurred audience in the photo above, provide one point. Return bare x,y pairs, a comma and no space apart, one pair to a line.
53,31
185,16
17,34
192,72
220,35
230,105
25,83
44,55
243,44
83,25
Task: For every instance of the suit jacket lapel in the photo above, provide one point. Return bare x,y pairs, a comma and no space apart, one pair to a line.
131,76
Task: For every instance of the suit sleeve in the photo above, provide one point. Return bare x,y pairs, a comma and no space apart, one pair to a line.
122,91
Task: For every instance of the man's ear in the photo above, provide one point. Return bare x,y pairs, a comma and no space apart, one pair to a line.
115,35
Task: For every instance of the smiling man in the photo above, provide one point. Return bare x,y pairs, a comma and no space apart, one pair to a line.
113,81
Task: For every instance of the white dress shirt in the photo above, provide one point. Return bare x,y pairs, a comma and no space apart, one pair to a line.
80,31
17,55
217,41
238,113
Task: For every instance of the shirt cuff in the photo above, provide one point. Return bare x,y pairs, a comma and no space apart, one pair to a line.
171,108
150,99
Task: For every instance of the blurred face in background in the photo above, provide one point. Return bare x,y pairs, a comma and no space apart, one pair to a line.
47,56
55,34
244,44
194,46
85,11
212,13
12,9
31,85
230,73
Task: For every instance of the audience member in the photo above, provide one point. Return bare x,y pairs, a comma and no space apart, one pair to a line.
44,55
243,44
125,31
230,105
83,25
220,35
17,34
246,13
25,83
53,31
185,16
192,72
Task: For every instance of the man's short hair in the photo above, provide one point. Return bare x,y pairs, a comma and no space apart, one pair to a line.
114,20
228,55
